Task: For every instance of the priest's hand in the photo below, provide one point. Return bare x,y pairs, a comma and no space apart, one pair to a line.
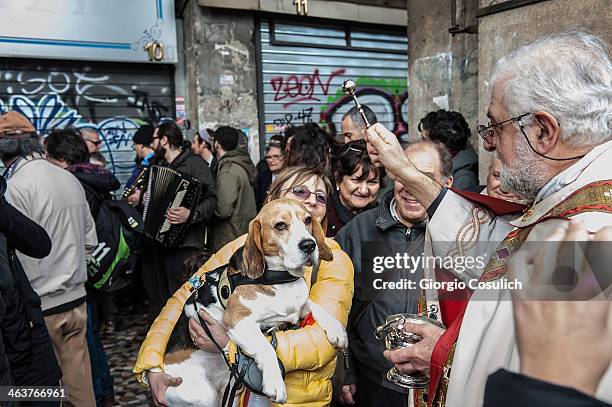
566,342
385,150
416,358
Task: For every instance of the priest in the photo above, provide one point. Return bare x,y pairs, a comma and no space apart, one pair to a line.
550,123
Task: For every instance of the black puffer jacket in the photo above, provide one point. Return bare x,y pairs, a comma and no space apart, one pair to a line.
465,170
375,232
27,346
98,183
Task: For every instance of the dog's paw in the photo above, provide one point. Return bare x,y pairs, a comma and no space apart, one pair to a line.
337,336
275,389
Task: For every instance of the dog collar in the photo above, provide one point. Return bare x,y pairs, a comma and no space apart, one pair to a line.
269,277
228,282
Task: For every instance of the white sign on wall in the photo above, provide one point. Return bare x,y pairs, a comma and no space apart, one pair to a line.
108,30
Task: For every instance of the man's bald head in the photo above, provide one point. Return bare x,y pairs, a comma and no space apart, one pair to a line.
433,160
445,160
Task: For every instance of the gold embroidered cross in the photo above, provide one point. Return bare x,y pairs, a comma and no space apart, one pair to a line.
526,214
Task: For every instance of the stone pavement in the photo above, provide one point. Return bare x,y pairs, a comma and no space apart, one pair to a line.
121,346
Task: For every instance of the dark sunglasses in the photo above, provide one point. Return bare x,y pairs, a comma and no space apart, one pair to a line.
304,193
95,143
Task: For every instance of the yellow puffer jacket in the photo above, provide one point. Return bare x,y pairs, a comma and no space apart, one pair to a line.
307,355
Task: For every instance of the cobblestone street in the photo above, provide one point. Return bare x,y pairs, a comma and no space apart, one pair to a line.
121,346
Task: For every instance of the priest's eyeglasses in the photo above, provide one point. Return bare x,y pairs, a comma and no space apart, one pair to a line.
489,131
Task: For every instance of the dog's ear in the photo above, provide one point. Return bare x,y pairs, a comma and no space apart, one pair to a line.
324,251
253,261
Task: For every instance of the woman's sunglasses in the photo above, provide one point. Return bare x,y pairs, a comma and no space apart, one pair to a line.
304,193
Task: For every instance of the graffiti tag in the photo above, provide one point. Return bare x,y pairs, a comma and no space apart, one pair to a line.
295,89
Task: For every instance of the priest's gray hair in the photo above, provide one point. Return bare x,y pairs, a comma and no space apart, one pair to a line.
568,75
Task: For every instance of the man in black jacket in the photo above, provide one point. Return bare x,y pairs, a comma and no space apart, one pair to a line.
397,225
26,353
163,267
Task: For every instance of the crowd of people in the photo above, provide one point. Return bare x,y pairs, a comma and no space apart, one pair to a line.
550,142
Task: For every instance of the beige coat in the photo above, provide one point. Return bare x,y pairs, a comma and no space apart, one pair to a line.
54,198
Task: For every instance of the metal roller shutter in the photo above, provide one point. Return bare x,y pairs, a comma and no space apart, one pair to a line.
113,98
303,67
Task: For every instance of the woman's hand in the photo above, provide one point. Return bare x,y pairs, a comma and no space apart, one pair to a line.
159,383
347,396
199,337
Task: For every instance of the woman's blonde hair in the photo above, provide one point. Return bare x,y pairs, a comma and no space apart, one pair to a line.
301,173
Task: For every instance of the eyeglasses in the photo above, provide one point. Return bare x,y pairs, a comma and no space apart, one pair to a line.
358,146
94,142
273,157
489,131
303,193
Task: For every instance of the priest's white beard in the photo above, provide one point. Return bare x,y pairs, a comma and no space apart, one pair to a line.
526,175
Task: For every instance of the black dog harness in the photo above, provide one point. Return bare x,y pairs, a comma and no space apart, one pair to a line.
245,369
228,282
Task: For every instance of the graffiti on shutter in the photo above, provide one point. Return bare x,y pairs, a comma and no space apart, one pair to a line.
302,83
113,99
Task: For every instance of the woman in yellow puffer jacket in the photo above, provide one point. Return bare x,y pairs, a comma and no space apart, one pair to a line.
308,357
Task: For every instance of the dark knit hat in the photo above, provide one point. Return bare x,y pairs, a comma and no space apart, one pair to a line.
15,125
144,135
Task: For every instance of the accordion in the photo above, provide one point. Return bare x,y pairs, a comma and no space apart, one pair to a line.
168,189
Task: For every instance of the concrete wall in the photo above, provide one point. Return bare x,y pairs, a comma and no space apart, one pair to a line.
443,68
500,33
221,70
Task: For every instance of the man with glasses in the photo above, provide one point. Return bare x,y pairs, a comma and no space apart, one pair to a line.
92,139
549,122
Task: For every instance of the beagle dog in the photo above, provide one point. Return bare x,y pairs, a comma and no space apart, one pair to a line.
269,289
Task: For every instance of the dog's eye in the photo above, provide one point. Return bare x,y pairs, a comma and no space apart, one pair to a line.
308,220
280,226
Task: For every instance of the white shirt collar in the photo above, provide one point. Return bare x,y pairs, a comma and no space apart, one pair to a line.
392,208
570,174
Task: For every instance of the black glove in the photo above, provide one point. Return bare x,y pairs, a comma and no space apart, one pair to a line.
252,376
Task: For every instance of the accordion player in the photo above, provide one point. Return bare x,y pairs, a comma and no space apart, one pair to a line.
168,189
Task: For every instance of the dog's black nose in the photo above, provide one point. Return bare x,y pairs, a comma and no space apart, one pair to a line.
307,245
